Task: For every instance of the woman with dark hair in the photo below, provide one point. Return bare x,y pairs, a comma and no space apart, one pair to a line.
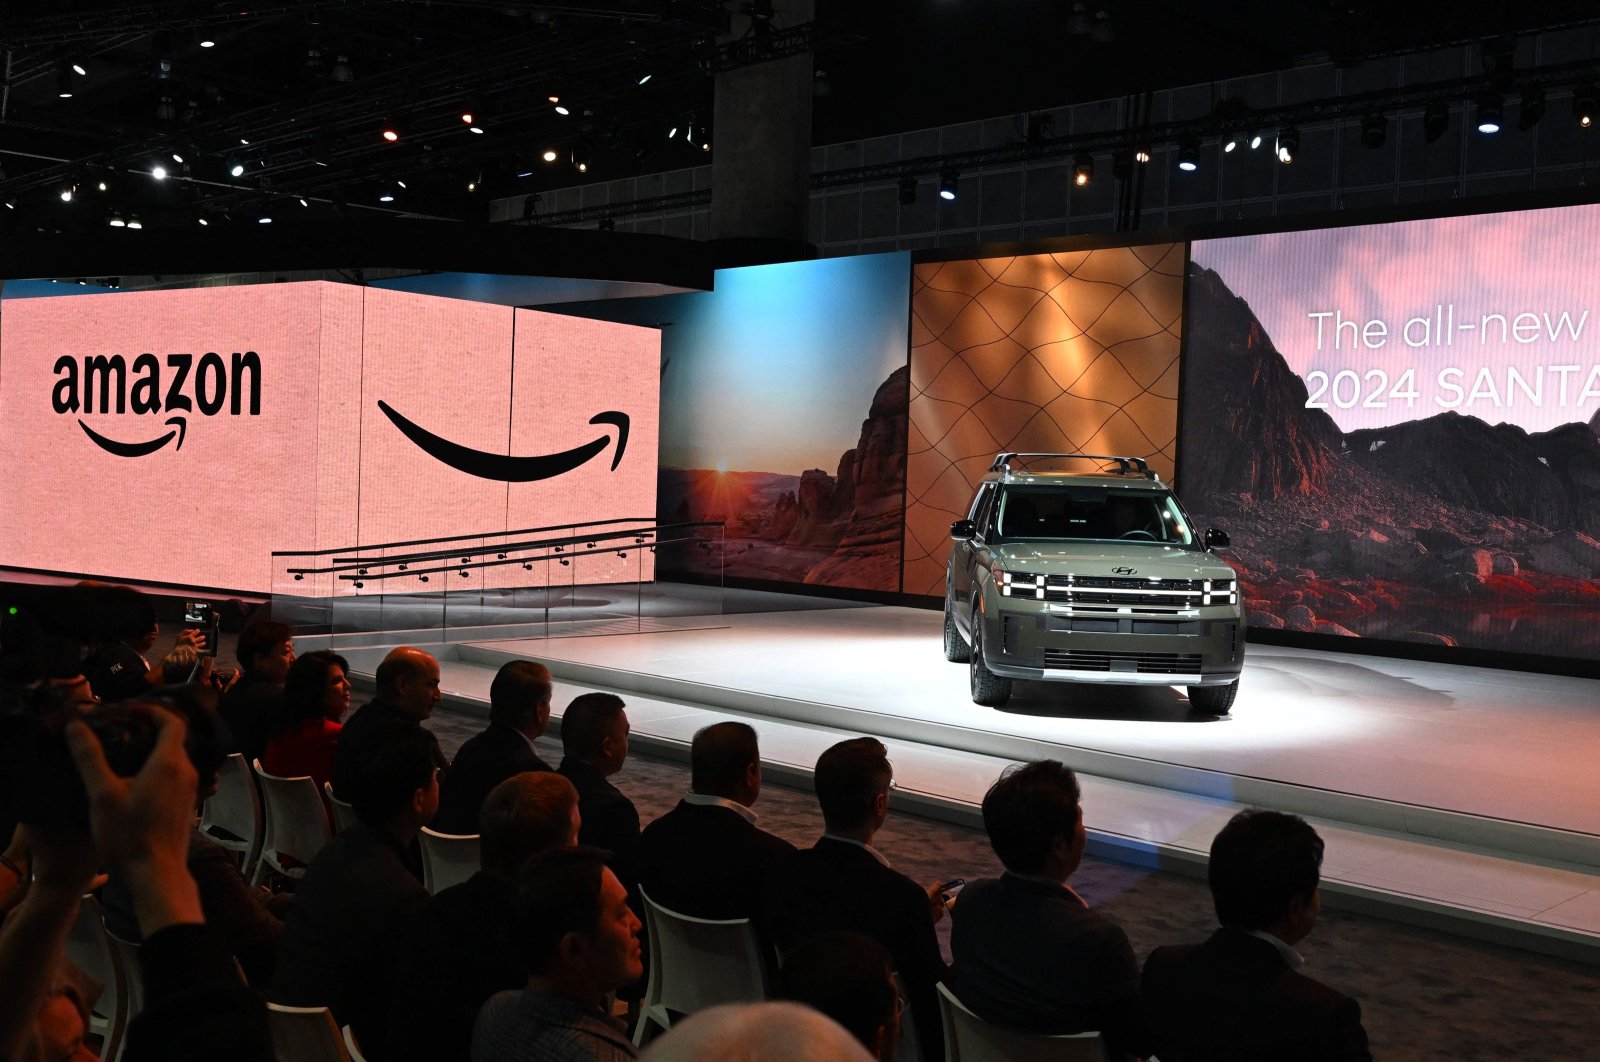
316,694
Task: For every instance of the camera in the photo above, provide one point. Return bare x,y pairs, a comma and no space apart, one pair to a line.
203,614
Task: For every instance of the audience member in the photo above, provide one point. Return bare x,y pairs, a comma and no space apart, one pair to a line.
580,940
842,882
304,738
519,708
757,1032
594,742
265,651
118,670
243,919
408,688
1240,994
850,978
339,944
462,949
707,857
1026,950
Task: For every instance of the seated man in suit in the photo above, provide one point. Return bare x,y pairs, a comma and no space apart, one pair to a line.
265,651
842,882
357,896
519,708
1241,995
707,857
579,940
463,948
1026,950
408,688
594,743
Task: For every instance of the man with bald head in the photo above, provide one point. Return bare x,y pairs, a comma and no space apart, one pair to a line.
408,688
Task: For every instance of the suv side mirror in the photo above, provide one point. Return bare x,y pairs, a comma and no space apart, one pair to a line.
962,530
1216,539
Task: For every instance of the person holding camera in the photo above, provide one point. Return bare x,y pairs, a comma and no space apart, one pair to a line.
119,670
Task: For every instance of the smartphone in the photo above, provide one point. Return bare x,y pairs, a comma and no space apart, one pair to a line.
201,614
953,886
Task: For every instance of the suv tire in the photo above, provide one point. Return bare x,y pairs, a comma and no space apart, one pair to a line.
955,648
1213,700
988,689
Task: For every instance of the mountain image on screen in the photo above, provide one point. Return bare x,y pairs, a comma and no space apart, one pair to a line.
1444,530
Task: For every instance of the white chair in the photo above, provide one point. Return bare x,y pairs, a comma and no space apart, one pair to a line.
697,963
344,815
232,815
297,825
447,858
352,1047
908,1048
968,1038
90,948
305,1034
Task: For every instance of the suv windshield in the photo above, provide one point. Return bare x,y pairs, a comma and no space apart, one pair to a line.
1063,513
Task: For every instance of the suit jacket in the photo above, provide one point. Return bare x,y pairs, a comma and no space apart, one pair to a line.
250,708
610,820
839,885
338,944
529,1026
1030,955
1236,999
706,861
461,950
483,762
357,735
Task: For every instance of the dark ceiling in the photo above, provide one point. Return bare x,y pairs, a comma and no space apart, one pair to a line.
308,85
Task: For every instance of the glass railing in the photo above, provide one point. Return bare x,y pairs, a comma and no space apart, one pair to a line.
611,576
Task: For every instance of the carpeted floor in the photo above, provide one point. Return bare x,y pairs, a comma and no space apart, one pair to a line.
1424,995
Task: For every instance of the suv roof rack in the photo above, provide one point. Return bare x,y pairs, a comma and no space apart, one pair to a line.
1126,466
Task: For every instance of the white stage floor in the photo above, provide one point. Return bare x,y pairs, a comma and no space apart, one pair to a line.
1452,796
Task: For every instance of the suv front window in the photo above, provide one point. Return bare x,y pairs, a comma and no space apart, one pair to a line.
1068,513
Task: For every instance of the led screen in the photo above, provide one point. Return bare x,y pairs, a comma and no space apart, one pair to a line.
1398,424
184,436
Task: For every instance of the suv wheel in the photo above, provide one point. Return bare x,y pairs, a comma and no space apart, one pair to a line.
1213,700
988,689
955,647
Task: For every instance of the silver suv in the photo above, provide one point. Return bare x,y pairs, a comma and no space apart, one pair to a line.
1090,576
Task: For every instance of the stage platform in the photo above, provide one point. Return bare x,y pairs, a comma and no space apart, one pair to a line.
1460,798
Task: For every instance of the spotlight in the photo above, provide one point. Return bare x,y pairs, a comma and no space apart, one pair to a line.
159,172
1082,170
645,79
908,191
673,133
101,186
203,221
1255,139
392,130
949,177
553,99
472,183
1288,144
561,110
77,68
264,219
471,112
475,129
134,222
1141,155
1583,104
386,197
305,203
177,157
236,170
1532,107
116,221
1490,108
208,43
550,155
1435,120
1189,156
1374,130
64,81
1230,140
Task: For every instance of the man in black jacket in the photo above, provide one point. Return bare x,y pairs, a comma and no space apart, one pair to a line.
408,688
707,857
1241,995
594,740
519,708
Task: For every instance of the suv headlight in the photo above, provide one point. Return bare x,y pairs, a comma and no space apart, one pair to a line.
1220,592
1019,584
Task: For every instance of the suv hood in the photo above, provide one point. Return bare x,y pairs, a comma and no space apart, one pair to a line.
1152,561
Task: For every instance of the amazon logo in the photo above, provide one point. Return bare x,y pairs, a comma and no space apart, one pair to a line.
509,468
179,385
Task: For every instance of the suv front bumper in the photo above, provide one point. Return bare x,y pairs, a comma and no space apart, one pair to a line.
1054,645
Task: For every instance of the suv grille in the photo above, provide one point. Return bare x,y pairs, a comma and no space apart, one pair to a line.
1109,594
1143,663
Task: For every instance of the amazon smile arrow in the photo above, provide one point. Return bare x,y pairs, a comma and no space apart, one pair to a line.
510,468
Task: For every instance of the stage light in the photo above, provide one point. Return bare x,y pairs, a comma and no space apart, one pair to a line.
1490,109
645,79
949,178
561,110
101,186
305,203
1141,155
470,112
1255,139
550,155
64,82
1189,156
1082,170
1288,144
77,68
341,71
166,111
672,134
386,197
208,43
236,170
203,221
553,99
116,221
1230,140
1531,110
1435,120
1374,130
392,130
134,222
159,172
908,191
1583,105
265,218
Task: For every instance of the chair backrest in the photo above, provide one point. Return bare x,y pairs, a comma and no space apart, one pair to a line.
908,1048
297,824
305,1034
232,815
968,1038
447,858
352,1047
699,962
90,949
344,815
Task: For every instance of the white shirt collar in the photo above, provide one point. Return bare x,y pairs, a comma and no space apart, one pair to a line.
1290,956
707,800
879,856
